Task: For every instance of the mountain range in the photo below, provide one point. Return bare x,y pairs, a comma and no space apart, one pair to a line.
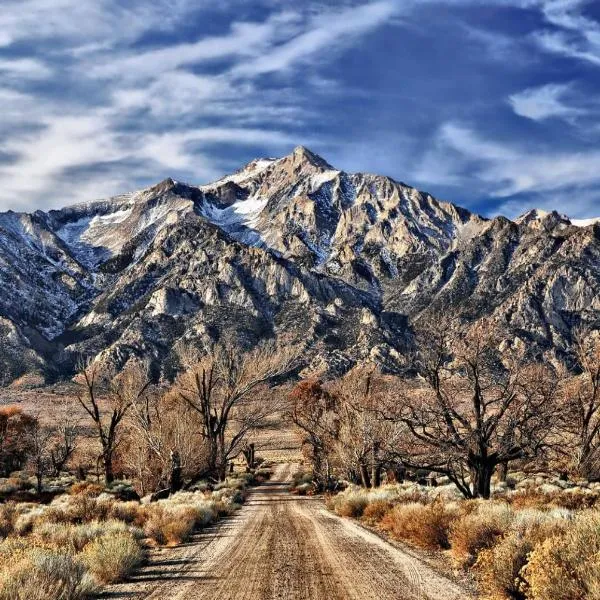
287,249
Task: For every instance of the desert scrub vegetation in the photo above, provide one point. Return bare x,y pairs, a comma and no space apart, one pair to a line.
70,548
425,525
525,544
302,483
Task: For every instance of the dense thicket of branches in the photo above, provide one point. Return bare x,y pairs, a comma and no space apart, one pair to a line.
472,408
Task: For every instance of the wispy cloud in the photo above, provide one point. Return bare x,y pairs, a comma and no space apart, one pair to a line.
544,102
23,68
504,170
327,30
576,35
146,112
110,95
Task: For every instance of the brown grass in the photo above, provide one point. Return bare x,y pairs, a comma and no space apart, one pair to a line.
570,500
498,569
86,488
8,517
40,574
375,511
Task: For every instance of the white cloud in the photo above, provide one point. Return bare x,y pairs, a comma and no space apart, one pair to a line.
326,31
578,36
84,140
24,68
501,170
544,102
85,22
148,114
244,39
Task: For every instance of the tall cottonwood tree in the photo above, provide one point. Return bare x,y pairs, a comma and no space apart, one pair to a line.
161,442
314,410
366,443
473,408
582,404
106,398
224,388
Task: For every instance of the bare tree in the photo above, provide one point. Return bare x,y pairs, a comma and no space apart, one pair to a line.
119,394
473,408
15,438
39,453
162,442
64,439
314,411
227,390
366,443
582,402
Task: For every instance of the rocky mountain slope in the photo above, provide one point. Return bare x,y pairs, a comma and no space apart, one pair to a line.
289,249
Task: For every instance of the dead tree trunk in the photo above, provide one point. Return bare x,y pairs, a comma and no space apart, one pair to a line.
175,479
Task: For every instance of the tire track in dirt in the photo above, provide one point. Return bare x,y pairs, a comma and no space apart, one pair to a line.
284,546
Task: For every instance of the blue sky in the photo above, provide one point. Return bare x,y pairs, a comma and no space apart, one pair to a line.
493,105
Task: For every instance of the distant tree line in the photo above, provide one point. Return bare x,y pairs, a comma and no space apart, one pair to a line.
466,406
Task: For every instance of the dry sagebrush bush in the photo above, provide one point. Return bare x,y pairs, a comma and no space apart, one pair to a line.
570,499
375,511
8,517
350,503
76,537
478,529
169,526
86,488
42,574
567,566
423,525
76,509
112,557
498,569
128,512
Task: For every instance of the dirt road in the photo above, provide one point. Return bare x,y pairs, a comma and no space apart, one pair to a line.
284,546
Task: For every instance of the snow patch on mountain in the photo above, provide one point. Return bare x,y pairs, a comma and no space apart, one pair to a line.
250,170
322,178
585,222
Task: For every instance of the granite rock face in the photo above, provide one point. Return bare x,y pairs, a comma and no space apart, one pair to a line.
287,249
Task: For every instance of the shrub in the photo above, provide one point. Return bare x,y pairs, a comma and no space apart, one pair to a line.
478,530
567,566
46,575
375,511
575,499
26,521
76,537
8,516
112,557
169,527
86,488
351,503
82,508
424,525
128,512
498,569
79,508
